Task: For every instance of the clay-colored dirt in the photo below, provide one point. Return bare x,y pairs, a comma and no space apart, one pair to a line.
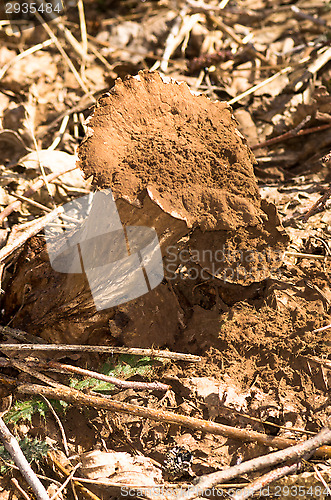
176,162
235,291
153,140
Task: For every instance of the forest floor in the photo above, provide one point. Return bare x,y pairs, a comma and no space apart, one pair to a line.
264,344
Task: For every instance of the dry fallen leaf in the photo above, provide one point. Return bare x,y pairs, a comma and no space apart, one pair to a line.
120,467
54,161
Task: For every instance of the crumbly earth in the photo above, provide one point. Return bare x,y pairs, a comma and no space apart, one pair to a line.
148,134
177,163
182,164
151,141
258,332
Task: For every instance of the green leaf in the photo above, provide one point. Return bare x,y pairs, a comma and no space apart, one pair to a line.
23,410
125,367
33,450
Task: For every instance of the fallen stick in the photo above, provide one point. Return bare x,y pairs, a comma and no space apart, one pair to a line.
64,368
123,384
230,32
86,492
294,452
34,229
16,485
320,202
33,189
12,446
74,396
153,353
290,135
308,255
265,480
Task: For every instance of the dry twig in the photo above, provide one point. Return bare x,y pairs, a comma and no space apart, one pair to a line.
63,53
59,423
289,135
321,478
23,54
153,353
19,489
33,189
34,229
123,384
265,480
230,32
295,452
62,392
12,446
68,479
87,493
319,203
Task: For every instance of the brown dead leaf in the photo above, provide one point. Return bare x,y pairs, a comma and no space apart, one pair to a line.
52,162
120,467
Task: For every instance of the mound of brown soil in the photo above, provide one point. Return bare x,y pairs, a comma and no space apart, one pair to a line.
185,149
152,141
177,163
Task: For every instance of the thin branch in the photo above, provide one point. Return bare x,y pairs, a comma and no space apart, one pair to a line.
123,384
62,52
42,207
322,328
69,478
230,32
153,353
74,396
34,229
67,33
87,493
308,255
31,202
83,32
84,104
58,135
33,189
12,446
301,15
324,56
19,488
322,362
320,202
321,478
40,476
59,423
265,480
295,452
289,135
23,54
260,85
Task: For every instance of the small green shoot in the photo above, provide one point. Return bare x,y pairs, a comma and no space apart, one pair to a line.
33,450
23,410
125,367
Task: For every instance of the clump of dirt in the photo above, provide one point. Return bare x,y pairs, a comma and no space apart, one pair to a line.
175,162
186,149
153,141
